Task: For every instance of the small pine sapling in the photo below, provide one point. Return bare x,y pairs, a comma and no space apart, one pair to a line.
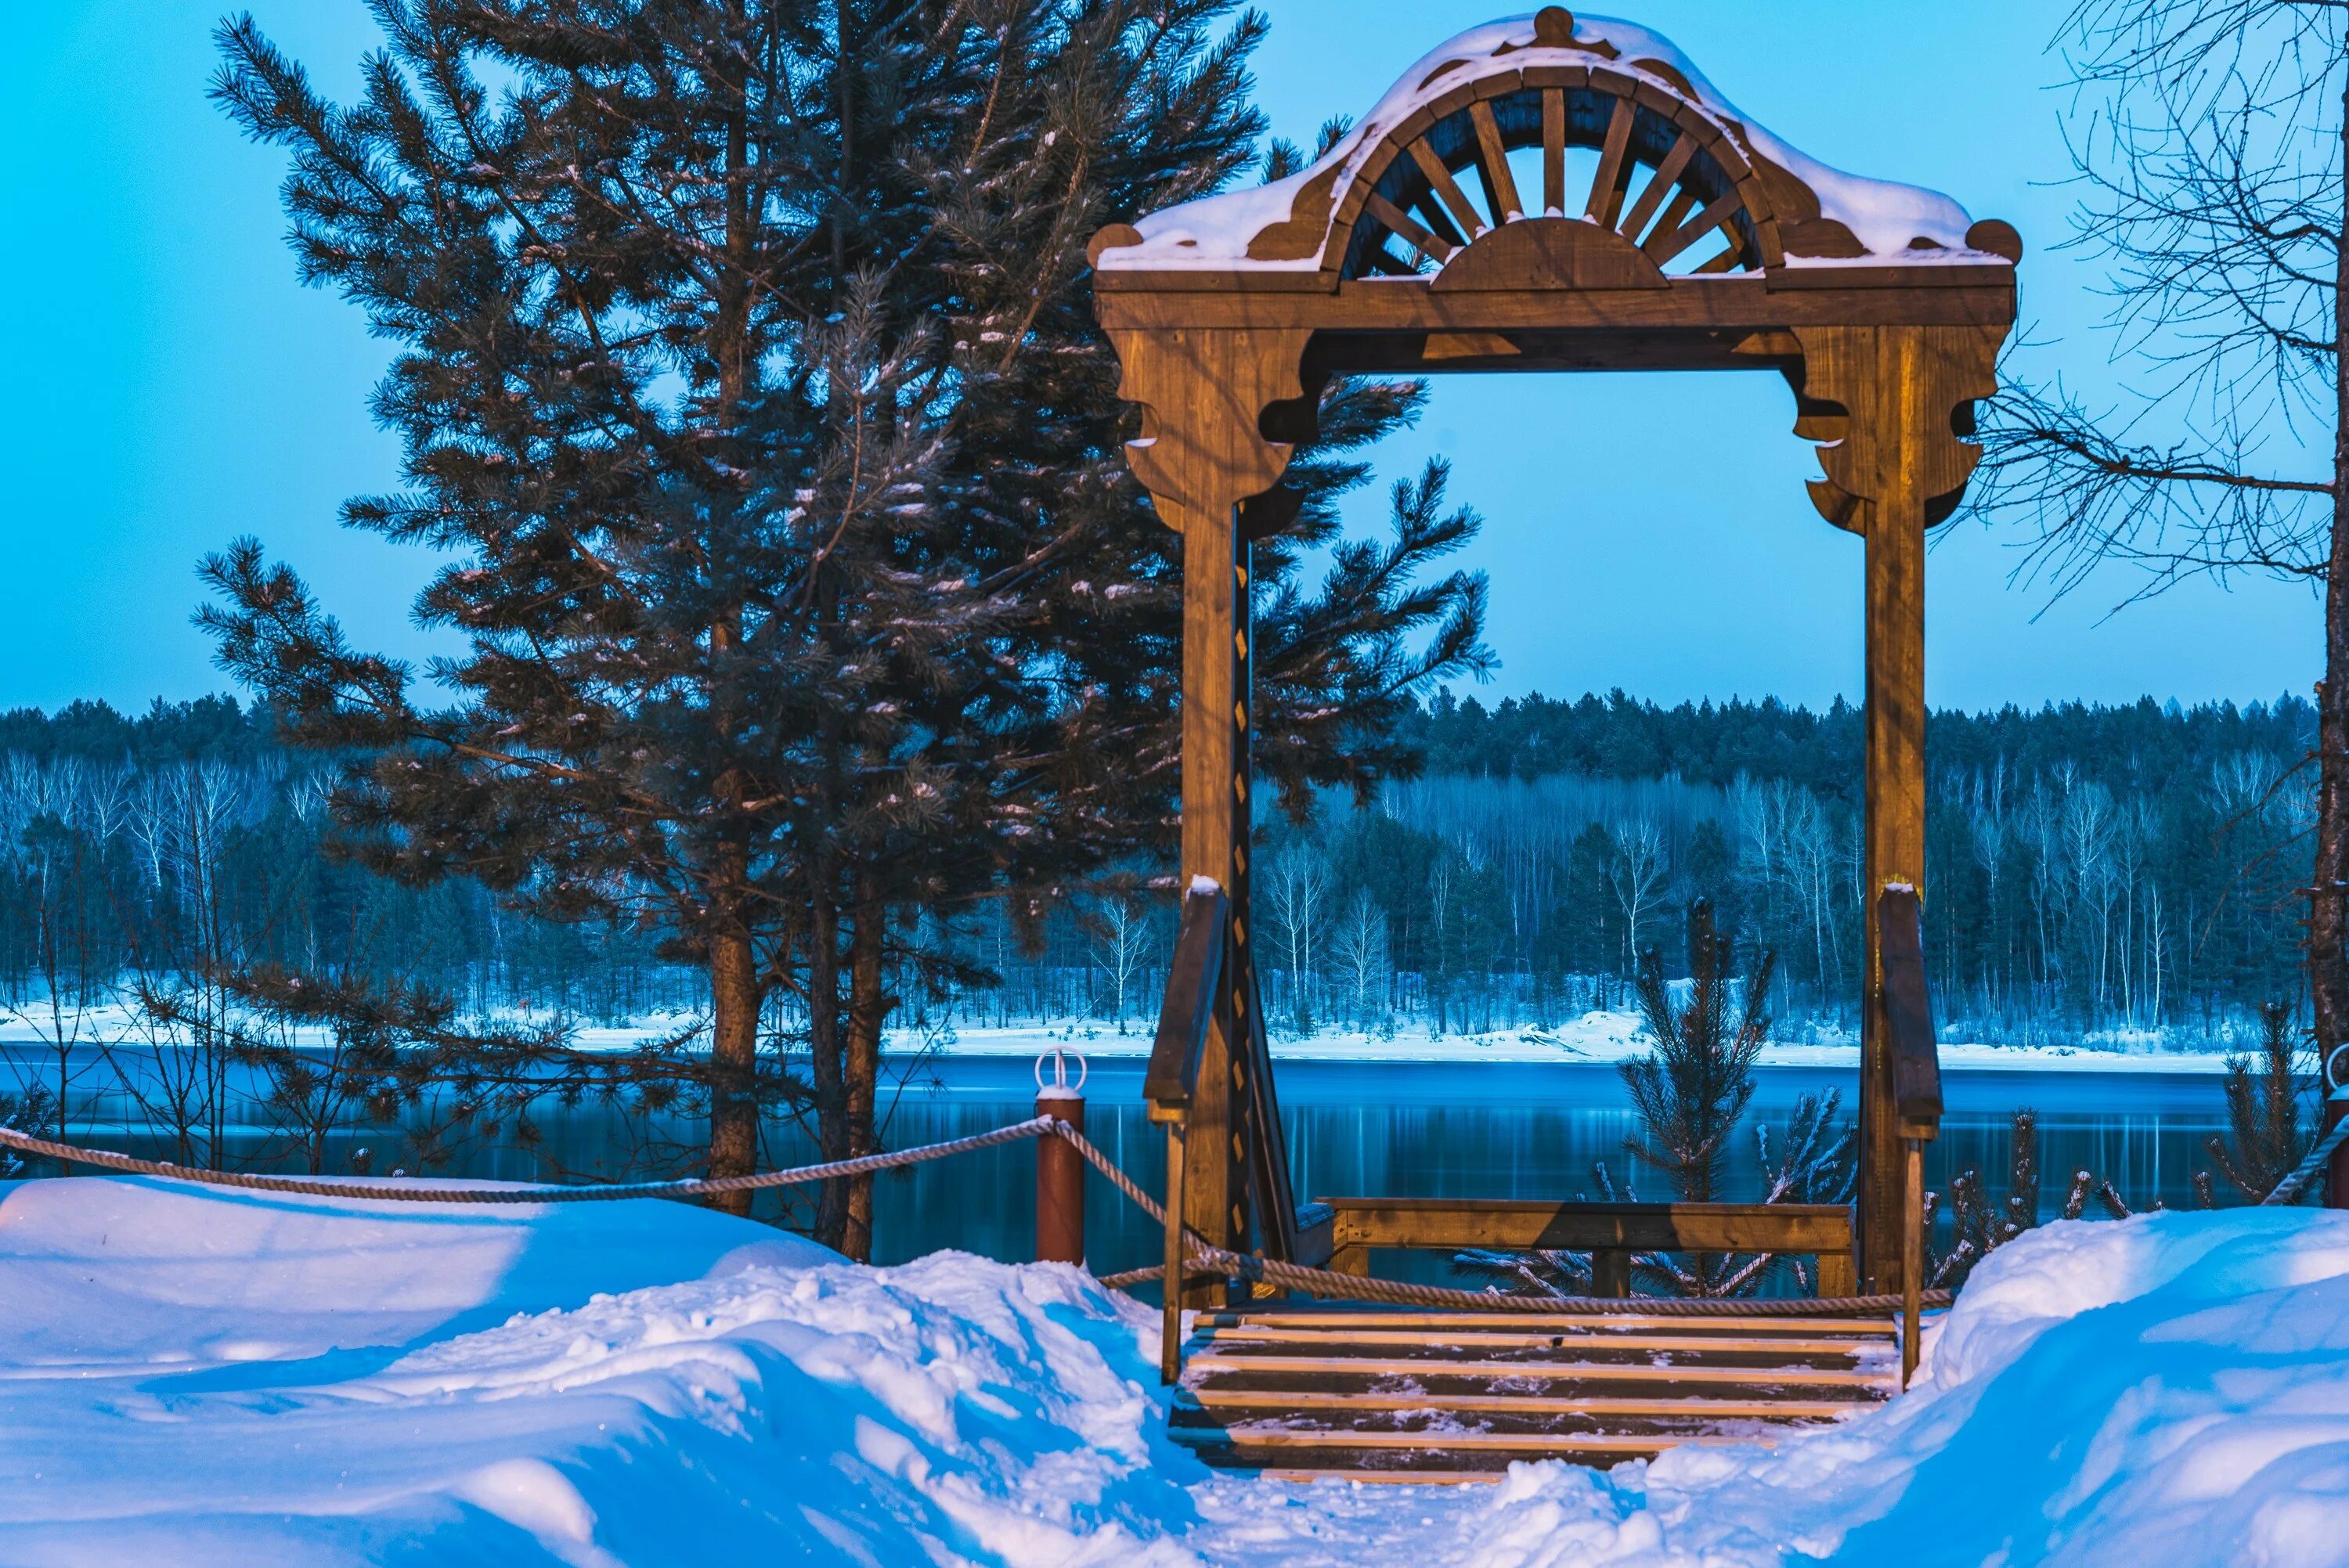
1692,1091
1817,1162
2265,1138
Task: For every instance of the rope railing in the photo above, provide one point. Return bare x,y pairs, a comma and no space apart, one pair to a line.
2287,1190
1212,1260
526,1192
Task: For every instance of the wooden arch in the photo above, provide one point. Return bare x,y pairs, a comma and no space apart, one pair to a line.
1548,194
1443,198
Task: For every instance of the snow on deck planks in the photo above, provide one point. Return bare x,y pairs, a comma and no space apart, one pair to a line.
1448,1396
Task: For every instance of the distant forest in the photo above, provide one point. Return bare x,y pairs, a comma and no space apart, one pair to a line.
2093,873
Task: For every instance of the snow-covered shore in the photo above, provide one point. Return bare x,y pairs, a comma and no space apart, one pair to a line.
193,1377
1603,1037
1596,1036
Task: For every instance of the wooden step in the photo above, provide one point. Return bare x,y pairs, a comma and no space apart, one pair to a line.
1432,1397
1388,1477
1210,1399
1281,1334
1213,1362
1448,1440
1870,1328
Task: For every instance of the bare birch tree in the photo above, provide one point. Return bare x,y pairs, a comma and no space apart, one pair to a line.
2208,146
1636,873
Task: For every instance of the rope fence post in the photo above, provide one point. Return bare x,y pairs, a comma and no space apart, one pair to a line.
1170,1355
1912,1256
1059,1169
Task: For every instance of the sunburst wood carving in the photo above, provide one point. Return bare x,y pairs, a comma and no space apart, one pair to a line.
1670,192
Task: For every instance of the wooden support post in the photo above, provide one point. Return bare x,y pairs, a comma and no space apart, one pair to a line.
1912,1256
1611,1272
1170,1355
1204,393
1059,1181
1883,401
1893,842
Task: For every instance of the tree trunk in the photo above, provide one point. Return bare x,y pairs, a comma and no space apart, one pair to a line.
868,1009
735,999
2328,920
736,993
827,1062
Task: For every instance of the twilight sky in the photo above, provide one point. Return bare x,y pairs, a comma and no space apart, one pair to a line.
174,387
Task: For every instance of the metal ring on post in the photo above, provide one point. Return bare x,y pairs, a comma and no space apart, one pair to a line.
1060,1070
2334,1083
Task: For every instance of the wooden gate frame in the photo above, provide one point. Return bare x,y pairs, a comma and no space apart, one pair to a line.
1382,264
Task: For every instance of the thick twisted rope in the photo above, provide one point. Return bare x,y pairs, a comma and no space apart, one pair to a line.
1357,1287
1212,1260
533,1192
2287,1190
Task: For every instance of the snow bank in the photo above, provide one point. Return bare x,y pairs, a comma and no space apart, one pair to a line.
196,1378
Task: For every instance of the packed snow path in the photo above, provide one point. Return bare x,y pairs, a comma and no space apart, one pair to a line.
196,1377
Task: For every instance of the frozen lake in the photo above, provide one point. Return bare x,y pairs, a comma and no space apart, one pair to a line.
1493,1130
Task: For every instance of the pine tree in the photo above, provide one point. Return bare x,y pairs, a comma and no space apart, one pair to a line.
2265,1138
747,377
1693,1088
1690,1092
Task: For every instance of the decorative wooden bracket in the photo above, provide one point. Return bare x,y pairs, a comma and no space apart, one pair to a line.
1204,392
1890,437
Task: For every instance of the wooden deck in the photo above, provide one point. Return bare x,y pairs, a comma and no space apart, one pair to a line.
1451,1397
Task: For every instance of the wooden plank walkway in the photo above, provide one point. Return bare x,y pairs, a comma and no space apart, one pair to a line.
1383,1394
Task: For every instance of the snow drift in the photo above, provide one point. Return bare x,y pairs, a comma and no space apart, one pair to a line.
192,1376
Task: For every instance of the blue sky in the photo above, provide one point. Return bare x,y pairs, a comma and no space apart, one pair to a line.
173,386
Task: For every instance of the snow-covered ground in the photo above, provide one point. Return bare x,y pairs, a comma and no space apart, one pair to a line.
192,1377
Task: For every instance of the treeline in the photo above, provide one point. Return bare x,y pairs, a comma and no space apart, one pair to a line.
184,841
2092,870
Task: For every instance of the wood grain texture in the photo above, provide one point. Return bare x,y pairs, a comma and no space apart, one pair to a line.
1744,301
1519,1404
1897,458
1209,1363
1624,1322
1512,1225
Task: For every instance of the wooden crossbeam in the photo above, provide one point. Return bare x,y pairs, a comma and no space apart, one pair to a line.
1868,1327
1513,1225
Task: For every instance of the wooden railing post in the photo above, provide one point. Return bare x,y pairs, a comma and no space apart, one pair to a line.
1912,1256
1915,1085
1059,1169
1170,1353
1611,1272
1173,1077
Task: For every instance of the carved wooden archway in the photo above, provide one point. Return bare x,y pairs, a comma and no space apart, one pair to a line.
1544,194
